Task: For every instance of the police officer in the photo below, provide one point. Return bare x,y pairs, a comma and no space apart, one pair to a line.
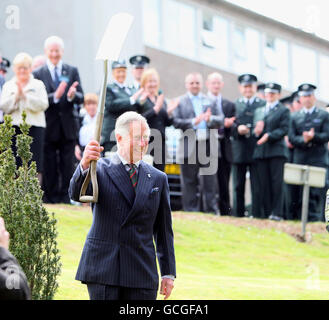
119,99
139,63
309,133
260,91
293,104
4,65
243,145
271,152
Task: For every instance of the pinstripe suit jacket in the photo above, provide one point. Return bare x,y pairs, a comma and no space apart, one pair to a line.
119,249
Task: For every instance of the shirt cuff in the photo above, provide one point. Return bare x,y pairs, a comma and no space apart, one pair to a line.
83,172
56,100
132,100
168,277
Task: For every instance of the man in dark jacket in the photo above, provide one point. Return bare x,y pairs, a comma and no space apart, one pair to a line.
63,86
225,107
243,145
309,134
119,99
271,152
133,212
13,283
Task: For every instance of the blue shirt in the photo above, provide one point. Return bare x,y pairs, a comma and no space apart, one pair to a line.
198,109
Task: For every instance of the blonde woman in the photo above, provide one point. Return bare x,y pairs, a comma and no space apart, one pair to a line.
24,93
157,114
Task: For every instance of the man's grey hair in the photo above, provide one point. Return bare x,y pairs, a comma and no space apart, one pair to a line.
215,75
122,125
54,40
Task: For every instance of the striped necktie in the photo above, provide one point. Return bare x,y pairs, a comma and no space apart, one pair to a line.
133,175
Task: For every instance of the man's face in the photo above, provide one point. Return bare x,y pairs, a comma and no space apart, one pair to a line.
193,84
91,108
296,105
248,90
135,144
261,95
272,96
307,101
137,73
54,52
119,74
215,85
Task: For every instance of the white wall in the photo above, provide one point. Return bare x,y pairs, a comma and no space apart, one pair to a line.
80,23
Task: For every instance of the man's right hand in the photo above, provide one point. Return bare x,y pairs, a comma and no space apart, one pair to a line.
199,118
60,90
92,152
243,130
4,235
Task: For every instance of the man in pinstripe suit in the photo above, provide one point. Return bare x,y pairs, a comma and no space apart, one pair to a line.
119,259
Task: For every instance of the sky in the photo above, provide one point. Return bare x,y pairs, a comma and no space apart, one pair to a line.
308,15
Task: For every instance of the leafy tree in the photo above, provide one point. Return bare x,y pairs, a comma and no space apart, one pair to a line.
32,230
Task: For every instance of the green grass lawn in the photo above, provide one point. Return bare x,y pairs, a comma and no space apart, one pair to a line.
215,260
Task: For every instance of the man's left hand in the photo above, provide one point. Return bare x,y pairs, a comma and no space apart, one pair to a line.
72,91
166,287
228,122
263,139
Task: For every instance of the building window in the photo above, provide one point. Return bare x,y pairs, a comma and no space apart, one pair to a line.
151,22
239,43
179,28
246,45
276,60
323,78
304,66
214,43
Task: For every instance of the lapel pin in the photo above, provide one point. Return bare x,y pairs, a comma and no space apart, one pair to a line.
149,175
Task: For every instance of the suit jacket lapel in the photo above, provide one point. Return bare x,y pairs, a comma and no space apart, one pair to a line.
189,107
121,179
49,78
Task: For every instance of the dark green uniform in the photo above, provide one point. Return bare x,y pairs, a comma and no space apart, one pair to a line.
242,150
313,153
271,157
117,102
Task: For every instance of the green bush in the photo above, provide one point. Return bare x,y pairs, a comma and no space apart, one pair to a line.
32,230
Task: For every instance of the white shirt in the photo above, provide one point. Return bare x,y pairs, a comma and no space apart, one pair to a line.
270,106
87,129
51,68
310,111
251,100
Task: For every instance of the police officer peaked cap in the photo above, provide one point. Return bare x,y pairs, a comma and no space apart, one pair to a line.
272,87
287,100
119,64
306,89
139,61
261,87
5,64
247,79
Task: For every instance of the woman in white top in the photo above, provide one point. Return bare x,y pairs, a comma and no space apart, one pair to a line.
23,92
